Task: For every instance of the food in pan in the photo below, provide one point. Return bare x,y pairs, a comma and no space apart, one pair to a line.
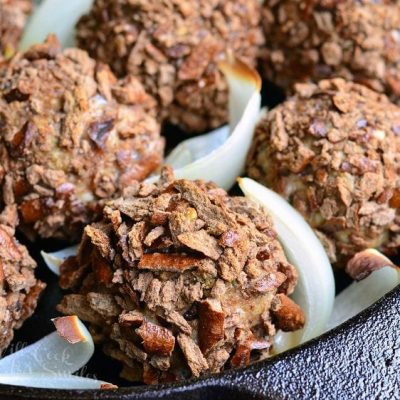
175,278
314,40
173,47
333,150
71,136
19,289
179,279
13,16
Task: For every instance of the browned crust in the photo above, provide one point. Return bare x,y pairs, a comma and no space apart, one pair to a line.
288,315
194,357
60,175
246,343
102,269
156,339
168,262
13,17
331,151
211,324
131,318
31,300
178,62
310,41
71,273
190,291
19,289
11,250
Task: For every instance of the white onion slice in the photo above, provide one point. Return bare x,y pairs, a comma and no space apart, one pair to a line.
360,295
51,355
54,260
51,381
220,156
195,148
315,291
54,16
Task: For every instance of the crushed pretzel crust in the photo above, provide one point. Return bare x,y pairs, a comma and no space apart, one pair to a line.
19,289
174,47
13,16
286,314
314,40
194,295
71,136
333,151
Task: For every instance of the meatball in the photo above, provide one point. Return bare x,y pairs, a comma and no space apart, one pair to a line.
13,15
174,47
355,40
333,151
19,290
71,136
179,279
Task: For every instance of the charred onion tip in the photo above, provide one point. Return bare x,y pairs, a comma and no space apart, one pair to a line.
367,261
238,69
382,257
70,329
108,386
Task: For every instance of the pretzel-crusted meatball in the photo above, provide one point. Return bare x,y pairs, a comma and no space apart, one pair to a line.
313,40
13,15
333,150
71,136
173,47
19,289
181,265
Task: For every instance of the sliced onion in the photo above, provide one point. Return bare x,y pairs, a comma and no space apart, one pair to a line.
195,148
360,295
52,355
54,260
55,16
315,291
220,156
51,381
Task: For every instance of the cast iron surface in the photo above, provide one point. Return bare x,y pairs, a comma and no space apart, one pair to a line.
359,360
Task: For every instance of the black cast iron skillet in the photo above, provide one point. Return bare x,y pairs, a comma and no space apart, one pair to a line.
358,360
